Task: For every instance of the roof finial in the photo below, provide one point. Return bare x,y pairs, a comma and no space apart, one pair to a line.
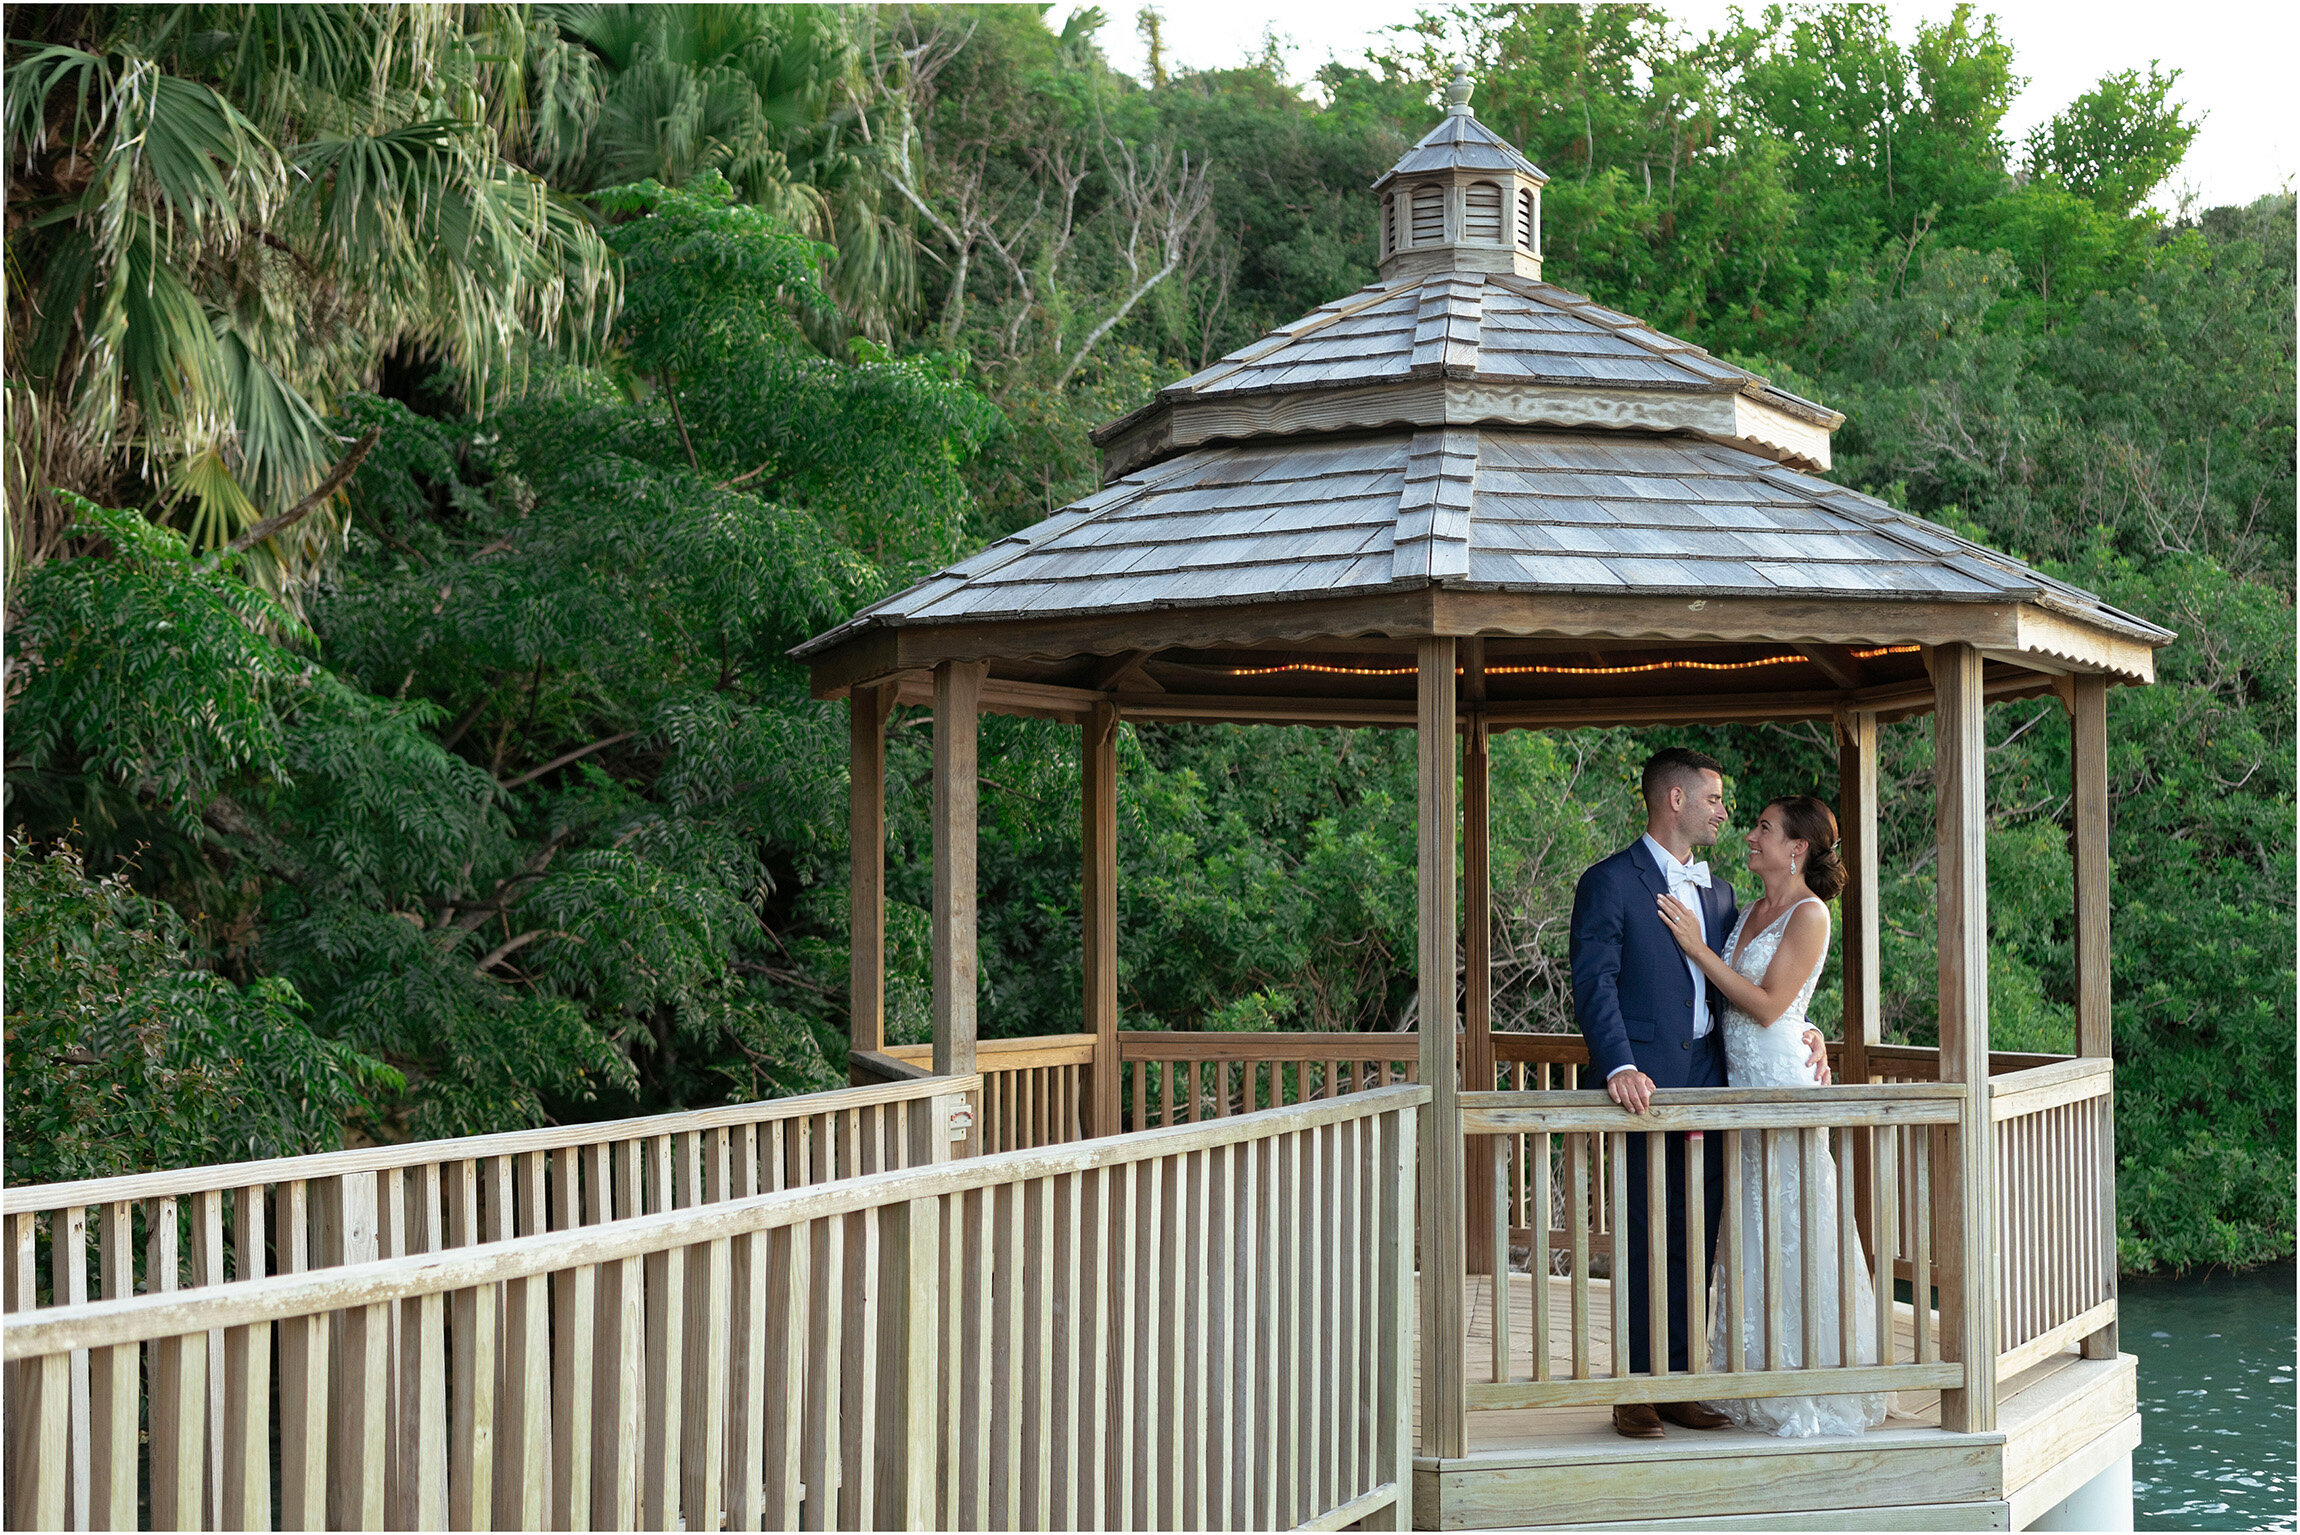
1457,96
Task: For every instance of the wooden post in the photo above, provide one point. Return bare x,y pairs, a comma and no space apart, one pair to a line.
1863,1020
2088,764
1441,1152
1857,829
957,699
1477,975
867,711
1098,903
1964,1185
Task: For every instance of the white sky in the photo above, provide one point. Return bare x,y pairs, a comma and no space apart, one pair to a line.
2237,61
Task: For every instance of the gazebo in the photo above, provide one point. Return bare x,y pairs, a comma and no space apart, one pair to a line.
1461,500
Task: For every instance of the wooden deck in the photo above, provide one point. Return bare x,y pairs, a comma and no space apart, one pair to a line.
2060,1422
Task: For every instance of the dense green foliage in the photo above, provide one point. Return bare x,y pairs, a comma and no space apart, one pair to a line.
508,805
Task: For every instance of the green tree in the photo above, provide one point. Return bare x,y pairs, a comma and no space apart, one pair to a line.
225,218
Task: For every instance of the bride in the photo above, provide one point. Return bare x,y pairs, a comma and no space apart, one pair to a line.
1766,977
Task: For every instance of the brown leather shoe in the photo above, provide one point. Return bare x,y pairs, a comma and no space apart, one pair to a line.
1637,1421
1692,1415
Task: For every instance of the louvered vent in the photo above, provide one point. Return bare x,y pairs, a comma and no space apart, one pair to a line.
1429,215
1389,225
1483,212
1525,220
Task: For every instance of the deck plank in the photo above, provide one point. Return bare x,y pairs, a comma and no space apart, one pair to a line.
1523,1458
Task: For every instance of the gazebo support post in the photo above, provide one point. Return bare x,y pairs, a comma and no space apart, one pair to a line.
1857,834
867,711
1963,1179
957,705
1098,905
1441,1265
2088,761
1478,1178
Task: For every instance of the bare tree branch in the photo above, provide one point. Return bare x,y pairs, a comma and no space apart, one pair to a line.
273,526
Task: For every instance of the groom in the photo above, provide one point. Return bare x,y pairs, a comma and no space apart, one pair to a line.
1652,1022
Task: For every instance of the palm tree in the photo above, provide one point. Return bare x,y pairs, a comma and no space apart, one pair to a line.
223,217
773,97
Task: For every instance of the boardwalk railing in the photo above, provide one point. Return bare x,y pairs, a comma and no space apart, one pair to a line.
1035,1092
1575,1347
2055,1208
1200,1327
1179,1078
186,1229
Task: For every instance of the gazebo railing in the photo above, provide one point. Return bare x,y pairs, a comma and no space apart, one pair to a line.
2055,1209
1205,1327
1571,1346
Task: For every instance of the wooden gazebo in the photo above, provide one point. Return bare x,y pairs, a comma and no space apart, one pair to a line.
1461,500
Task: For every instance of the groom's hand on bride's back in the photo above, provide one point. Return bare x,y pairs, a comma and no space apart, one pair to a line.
1632,1089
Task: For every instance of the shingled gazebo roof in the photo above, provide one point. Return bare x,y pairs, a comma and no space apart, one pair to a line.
1464,448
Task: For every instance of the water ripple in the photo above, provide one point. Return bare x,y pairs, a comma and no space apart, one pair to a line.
2218,1417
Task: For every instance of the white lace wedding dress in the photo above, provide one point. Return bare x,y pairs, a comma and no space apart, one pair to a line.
1760,1055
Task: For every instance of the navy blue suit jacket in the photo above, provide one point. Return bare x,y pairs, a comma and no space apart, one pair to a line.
1632,994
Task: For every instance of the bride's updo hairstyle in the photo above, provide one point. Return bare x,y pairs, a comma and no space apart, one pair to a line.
1807,820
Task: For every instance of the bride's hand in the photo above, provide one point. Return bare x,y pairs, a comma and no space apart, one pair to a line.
1683,923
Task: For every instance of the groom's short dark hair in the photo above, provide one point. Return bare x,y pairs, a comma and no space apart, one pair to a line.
1673,765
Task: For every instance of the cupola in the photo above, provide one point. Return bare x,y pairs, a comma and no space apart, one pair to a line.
1461,200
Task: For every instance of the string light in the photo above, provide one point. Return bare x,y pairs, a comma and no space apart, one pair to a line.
1564,671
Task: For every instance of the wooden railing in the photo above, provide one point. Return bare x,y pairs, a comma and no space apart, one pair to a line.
1200,1327
1922,1063
1182,1078
2055,1208
1561,1136
1035,1092
177,1232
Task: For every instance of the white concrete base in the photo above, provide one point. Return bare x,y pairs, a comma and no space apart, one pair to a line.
2103,1503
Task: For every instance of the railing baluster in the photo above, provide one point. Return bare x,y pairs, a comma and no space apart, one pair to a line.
825,1428
207,1212
1617,1159
1769,1209
858,1373
705,1373
471,1367
1811,1239
1577,1151
665,1280
790,1288
1696,1249
575,1304
1656,1249
1884,1160
178,1373
68,1286
1736,1249
1848,1254
114,1404
1536,1159
1499,1220
246,1424
1921,1246
1197,1407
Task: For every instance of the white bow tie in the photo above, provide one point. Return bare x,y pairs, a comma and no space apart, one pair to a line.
1694,874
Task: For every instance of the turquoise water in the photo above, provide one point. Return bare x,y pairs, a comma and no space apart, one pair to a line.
2216,1400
